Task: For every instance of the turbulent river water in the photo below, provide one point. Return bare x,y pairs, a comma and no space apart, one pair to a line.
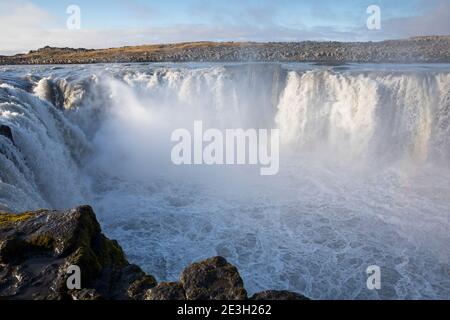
364,168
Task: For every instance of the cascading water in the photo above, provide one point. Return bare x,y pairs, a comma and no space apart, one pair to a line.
368,115
364,171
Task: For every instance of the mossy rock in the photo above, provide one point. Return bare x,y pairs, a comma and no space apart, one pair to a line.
38,247
8,219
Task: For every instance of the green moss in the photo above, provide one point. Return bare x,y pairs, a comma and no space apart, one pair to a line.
10,218
18,249
85,258
94,252
43,241
93,260
98,249
111,253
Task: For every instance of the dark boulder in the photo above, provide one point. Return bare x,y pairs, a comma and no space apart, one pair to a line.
139,287
213,279
166,291
278,295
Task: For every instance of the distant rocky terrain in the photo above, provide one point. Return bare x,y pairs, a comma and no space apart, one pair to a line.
414,50
37,248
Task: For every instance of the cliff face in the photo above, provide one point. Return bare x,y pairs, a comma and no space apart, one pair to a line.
38,248
414,50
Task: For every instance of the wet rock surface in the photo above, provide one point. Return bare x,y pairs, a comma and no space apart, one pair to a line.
37,248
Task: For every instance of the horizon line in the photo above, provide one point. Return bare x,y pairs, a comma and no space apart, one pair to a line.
30,51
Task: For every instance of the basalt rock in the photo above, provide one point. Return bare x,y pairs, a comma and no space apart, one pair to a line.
166,291
212,279
37,248
278,295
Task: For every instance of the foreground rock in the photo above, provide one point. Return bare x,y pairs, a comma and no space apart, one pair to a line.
212,279
166,291
278,295
37,249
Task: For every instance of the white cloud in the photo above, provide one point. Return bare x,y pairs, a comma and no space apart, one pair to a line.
434,21
26,27
21,22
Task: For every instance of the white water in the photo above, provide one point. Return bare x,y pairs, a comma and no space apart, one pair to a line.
364,173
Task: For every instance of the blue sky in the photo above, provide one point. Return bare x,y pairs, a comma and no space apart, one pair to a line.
28,24
296,13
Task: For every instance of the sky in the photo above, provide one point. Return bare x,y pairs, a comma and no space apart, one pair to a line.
28,25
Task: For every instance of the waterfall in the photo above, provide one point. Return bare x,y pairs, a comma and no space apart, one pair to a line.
364,170
39,167
364,116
